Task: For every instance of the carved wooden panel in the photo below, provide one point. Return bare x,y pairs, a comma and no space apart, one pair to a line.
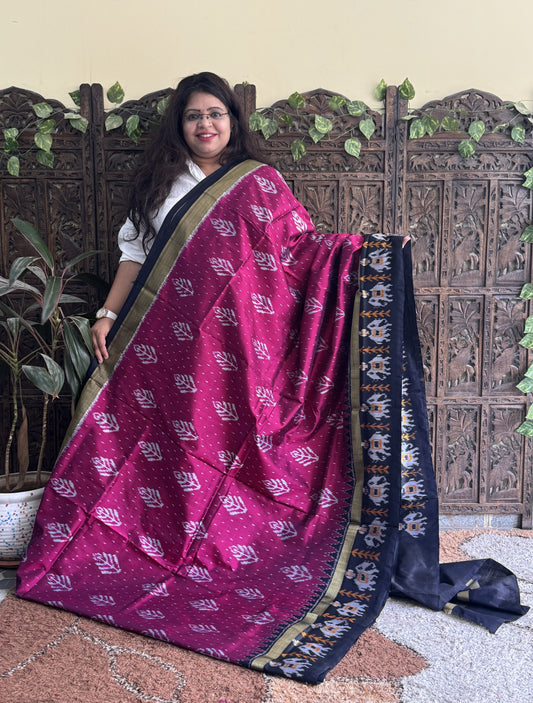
465,217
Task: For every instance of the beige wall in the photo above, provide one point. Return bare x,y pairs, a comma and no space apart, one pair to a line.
280,45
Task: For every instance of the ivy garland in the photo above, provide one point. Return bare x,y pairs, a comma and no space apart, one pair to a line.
269,121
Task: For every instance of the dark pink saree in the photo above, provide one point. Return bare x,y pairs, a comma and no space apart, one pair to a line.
219,487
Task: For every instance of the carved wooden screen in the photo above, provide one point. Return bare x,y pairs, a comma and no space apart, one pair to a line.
464,216
60,203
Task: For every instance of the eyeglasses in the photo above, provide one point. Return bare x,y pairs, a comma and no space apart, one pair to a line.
213,116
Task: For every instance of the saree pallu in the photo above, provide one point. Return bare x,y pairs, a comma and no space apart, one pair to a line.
248,475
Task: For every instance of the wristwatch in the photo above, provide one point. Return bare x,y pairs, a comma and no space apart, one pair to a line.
104,312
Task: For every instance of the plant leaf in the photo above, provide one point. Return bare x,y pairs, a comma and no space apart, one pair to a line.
476,130
13,166
296,101
115,94
45,158
527,234
315,135
527,291
42,110
43,380
356,108
76,349
84,328
528,182
352,146
298,149
431,124
18,267
322,124
466,148
380,91
43,141
417,129
518,134
32,236
47,126
132,128
162,105
337,102
75,97
113,121
527,341
10,133
255,121
286,119
406,90
450,124
269,128
521,108
52,293
77,121
525,385
526,428
367,127
81,257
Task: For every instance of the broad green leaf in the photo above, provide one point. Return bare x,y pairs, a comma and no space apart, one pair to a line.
476,130
525,385
298,149
72,378
18,287
76,349
296,101
315,135
528,176
450,124
527,234
33,237
43,141
19,266
356,108
47,126
42,110
162,105
286,120
431,124
115,94
367,127
529,372
41,379
518,134
322,124
10,133
526,428
527,291
55,371
528,327
81,257
51,298
269,128
466,148
13,324
132,128
75,97
521,108
417,129
84,328
256,121
406,90
380,91
527,341
66,298
352,146
500,127
337,102
113,121
45,158
77,121
13,166
529,415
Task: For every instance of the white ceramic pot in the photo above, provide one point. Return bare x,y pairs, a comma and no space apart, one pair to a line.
17,517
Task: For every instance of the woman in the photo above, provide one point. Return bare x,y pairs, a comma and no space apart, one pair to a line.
203,128
218,486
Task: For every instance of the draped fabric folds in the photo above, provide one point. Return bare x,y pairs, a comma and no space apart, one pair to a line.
248,475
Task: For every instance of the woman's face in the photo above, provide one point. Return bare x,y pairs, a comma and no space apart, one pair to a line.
206,129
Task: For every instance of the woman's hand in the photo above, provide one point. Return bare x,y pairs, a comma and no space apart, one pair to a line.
99,332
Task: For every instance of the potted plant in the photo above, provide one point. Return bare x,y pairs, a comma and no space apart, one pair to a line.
42,344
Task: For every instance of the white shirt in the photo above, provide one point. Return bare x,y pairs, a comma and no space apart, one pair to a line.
132,249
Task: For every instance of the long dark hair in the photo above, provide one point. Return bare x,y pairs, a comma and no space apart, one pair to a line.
166,156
